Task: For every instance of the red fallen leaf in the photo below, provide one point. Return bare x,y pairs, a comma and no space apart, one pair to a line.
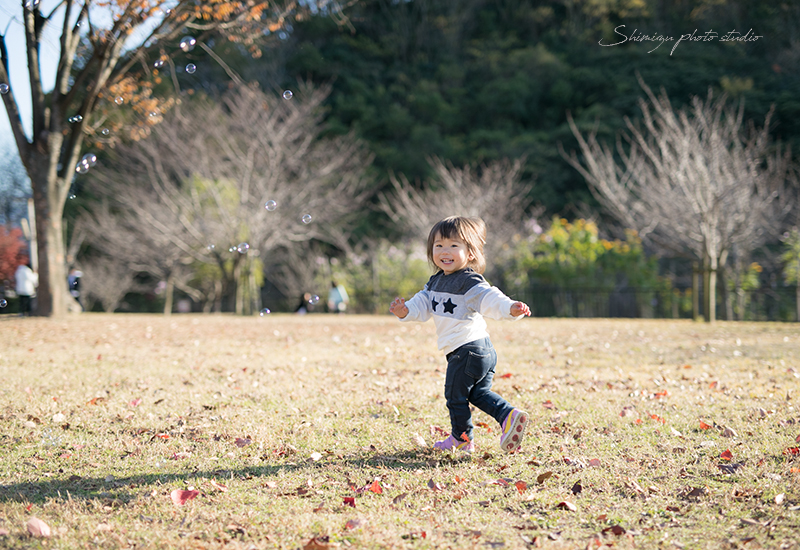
506,375
162,436
713,385
594,462
180,497
350,501
521,486
704,426
135,402
791,451
376,487
501,482
638,421
99,356
567,505
355,524
662,393
673,509
465,437
602,517
615,529
38,528
797,439
95,400
482,424
726,454
28,507
548,405
243,441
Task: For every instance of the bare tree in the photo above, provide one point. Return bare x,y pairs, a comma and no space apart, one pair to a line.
263,179
692,181
107,281
95,71
493,192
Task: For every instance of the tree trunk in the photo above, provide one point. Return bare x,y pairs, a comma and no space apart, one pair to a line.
727,296
797,300
169,292
695,291
48,201
710,288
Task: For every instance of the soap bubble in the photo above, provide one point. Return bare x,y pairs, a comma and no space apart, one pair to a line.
306,218
232,249
82,168
71,196
4,88
187,43
3,303
105,131
191,68
89,159
76,118
270,205
211,247
265,311
118,100
314,300
159,63
31,4
243,248
287,94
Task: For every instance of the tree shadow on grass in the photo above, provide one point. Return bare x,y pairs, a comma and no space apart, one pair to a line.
115,491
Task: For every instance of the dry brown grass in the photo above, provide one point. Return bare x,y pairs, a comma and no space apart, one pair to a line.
279,421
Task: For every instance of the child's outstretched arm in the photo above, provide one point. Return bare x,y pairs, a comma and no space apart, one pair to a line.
520,308
399,308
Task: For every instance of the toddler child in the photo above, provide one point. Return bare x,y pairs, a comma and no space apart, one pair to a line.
457,297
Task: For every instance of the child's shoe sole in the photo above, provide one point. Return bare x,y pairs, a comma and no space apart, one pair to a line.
515,431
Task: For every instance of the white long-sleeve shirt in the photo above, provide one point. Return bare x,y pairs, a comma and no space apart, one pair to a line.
27,280
457,303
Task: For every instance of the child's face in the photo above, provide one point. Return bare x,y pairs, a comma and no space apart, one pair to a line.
451,255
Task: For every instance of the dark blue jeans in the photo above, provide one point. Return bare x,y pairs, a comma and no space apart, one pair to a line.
470,370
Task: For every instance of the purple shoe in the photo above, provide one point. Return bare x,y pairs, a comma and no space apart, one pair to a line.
513,430
453,444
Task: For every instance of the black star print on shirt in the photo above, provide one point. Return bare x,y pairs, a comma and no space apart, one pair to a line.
449,306
434,303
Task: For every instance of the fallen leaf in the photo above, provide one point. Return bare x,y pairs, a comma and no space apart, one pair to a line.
594,462
615,530
577,488
521,486
542,477
726,454
567,505
271,484
748,521
435,485
418,440
320,543
696,492
779,498
673,509
399,498
704,426
315,456
793,451
465,437
730,468
729,432
506,375
243,441
797,439
350,501
376,487
220,486
181,497
135,402
355,524
38,528
548,405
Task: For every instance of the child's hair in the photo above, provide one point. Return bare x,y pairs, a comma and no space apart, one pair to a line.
470,230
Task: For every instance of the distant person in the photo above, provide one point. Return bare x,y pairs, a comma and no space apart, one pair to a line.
457,297
337,298
305,305
74,284
27,281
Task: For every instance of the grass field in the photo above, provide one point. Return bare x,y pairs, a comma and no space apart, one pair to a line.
314,432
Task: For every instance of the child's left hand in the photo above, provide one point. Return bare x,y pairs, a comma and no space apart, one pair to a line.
520,308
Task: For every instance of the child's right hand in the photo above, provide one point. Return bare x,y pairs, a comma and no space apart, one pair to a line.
399,308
